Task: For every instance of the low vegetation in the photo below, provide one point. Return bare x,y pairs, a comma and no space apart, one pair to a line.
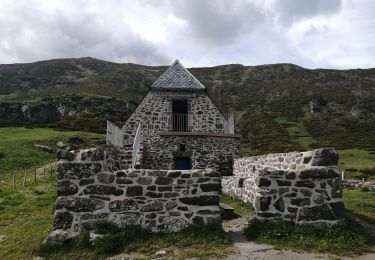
200,241
244,209
347,240
360,203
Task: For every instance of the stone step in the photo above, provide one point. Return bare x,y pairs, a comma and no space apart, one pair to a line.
226,211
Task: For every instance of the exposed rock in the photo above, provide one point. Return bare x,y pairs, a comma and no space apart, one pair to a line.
44,148
57,237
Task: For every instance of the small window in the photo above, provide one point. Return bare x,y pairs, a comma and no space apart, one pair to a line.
182,163
240,183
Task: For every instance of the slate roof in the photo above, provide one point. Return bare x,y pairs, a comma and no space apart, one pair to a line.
177,77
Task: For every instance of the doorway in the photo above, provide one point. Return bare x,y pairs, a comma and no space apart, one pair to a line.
180,115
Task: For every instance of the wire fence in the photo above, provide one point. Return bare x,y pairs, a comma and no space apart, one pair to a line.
23,178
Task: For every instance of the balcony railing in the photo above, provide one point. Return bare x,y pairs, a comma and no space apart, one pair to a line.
191,123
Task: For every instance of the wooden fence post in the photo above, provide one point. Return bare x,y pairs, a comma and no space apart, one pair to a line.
50,171
24,179
35,175
14,180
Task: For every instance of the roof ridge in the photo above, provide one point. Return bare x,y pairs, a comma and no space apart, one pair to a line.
177,77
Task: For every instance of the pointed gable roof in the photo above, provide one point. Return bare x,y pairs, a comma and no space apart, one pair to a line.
177,77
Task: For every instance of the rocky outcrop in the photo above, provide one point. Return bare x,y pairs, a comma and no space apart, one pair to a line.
49,111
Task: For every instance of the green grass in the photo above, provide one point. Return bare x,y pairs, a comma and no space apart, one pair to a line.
241,208
297,132
351,239
346,240
354,161
26,212
199,241
360,203
17,145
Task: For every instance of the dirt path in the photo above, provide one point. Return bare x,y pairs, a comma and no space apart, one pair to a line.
251,250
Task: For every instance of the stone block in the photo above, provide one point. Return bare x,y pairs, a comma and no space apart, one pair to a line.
316,213
325,157
210,187
133,191
305,183
123,181
77,170
154,206
163,180
103,190
77,204
338,209
204,200
123,205
280,204
66,187
283,183
290,175
105,177
300,201
144,180
84,182
262,203
169,195
262,182
171,205
65,155
62,220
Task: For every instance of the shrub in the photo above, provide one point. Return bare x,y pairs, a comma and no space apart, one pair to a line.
2,155
370,171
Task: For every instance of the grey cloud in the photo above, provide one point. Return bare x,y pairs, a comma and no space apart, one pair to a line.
36,34
290,11
217,21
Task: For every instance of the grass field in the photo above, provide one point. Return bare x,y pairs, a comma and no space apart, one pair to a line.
26,212
360,203
354,162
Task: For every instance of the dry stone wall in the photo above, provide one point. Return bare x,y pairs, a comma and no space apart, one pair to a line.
300,187
91,190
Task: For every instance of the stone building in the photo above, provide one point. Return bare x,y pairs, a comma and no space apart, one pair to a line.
180,127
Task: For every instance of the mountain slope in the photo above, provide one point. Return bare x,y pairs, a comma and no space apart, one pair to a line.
278,107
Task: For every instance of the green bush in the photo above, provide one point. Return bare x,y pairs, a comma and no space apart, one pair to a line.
370,171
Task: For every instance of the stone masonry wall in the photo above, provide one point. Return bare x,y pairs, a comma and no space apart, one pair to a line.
155,107
90,190
300,187
214,152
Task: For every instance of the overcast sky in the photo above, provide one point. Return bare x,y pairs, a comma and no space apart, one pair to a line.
310,33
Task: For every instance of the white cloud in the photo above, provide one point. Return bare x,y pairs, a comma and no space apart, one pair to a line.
319,33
